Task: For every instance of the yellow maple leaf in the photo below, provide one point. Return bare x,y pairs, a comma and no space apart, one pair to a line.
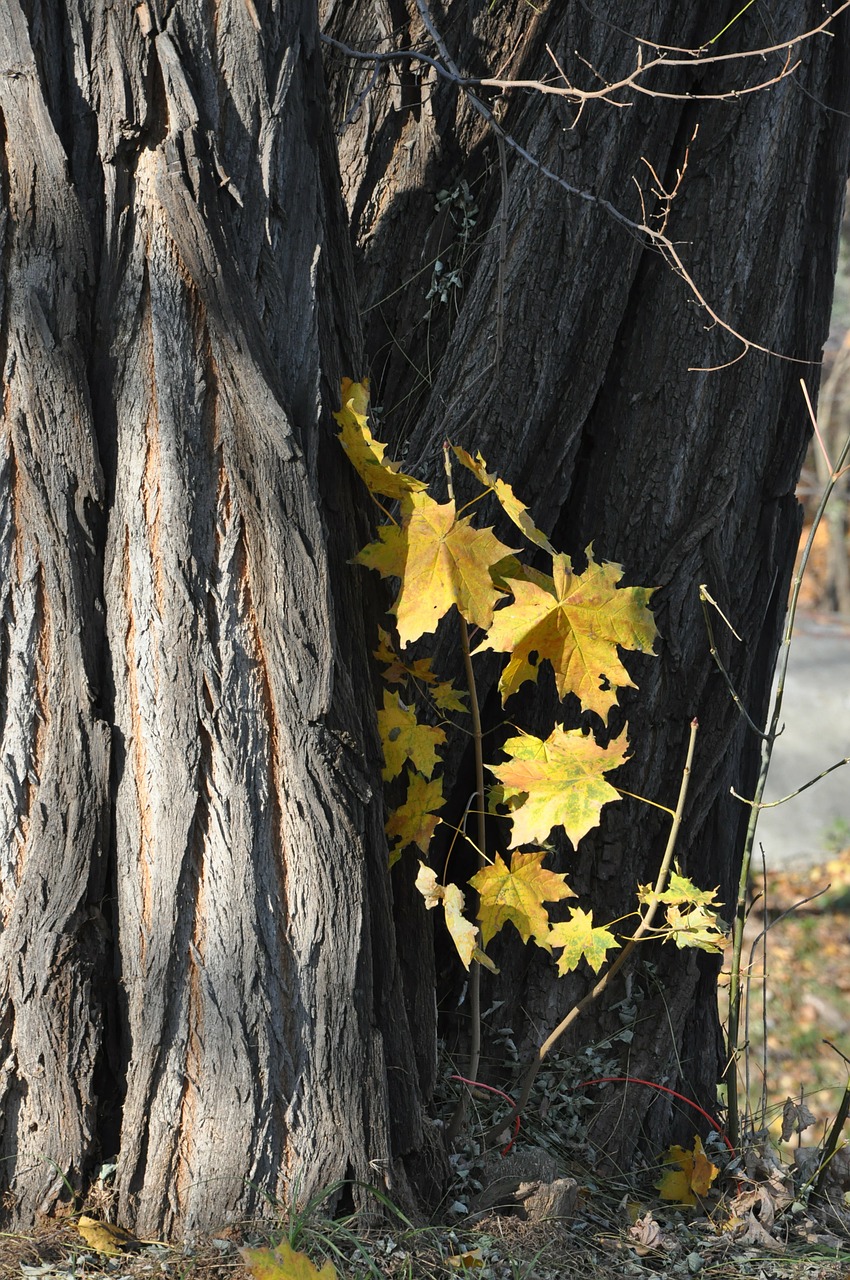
441,561
517,895
581,940
441,692
514,509
404,738
284,1263
365,453
464,933
415,821
562,780
576,622
690,1178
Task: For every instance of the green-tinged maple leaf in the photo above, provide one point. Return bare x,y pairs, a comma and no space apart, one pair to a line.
517,895
576,622
514,509
283,1263
441,561
680,890
366,454
404,738
580,939
415,821
690,1177
563,782
441,692
700,927
464,933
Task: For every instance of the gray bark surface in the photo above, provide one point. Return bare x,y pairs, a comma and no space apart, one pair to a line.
601,413
184,691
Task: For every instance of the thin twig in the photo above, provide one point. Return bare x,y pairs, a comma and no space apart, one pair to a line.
616,965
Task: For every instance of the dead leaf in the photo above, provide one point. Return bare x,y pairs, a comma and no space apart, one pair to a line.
690,1178
283,1263
106,1237
796,1118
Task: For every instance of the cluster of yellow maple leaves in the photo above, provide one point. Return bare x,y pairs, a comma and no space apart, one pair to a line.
574,621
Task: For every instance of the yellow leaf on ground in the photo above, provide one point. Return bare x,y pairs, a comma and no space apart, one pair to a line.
576,622
580,940
441,561
514,509
404,738
563,782
415,821
690,1178
106,1237
284,1263
365,453
517,895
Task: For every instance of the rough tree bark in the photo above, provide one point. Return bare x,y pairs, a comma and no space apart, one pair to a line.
599,407
197,958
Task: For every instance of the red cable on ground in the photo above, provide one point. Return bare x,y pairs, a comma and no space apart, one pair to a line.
474,1084
662,1088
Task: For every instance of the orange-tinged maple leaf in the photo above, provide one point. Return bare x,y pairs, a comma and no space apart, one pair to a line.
580,940
404,738
577,622
415,821
441,561
691,1177
283,1263
365,453
517,895
562,779
514,509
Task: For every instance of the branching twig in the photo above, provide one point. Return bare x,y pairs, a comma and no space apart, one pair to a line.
614,968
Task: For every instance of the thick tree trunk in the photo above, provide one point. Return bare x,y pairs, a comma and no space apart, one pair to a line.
177,311
599,408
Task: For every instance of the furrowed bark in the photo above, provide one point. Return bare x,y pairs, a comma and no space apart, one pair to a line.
187,199
54,763
597,417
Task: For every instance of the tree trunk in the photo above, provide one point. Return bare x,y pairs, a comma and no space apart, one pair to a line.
191,787
616,407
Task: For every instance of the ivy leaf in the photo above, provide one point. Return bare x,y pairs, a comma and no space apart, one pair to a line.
441,561
404,738
514,509
283,1263
517,895
680,891
364,452
691,1176
562,780
577,622
415,821
580,939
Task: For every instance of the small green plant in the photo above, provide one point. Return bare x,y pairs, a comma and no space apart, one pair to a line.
577,622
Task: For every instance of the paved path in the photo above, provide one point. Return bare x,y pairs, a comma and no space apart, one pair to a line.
816,712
